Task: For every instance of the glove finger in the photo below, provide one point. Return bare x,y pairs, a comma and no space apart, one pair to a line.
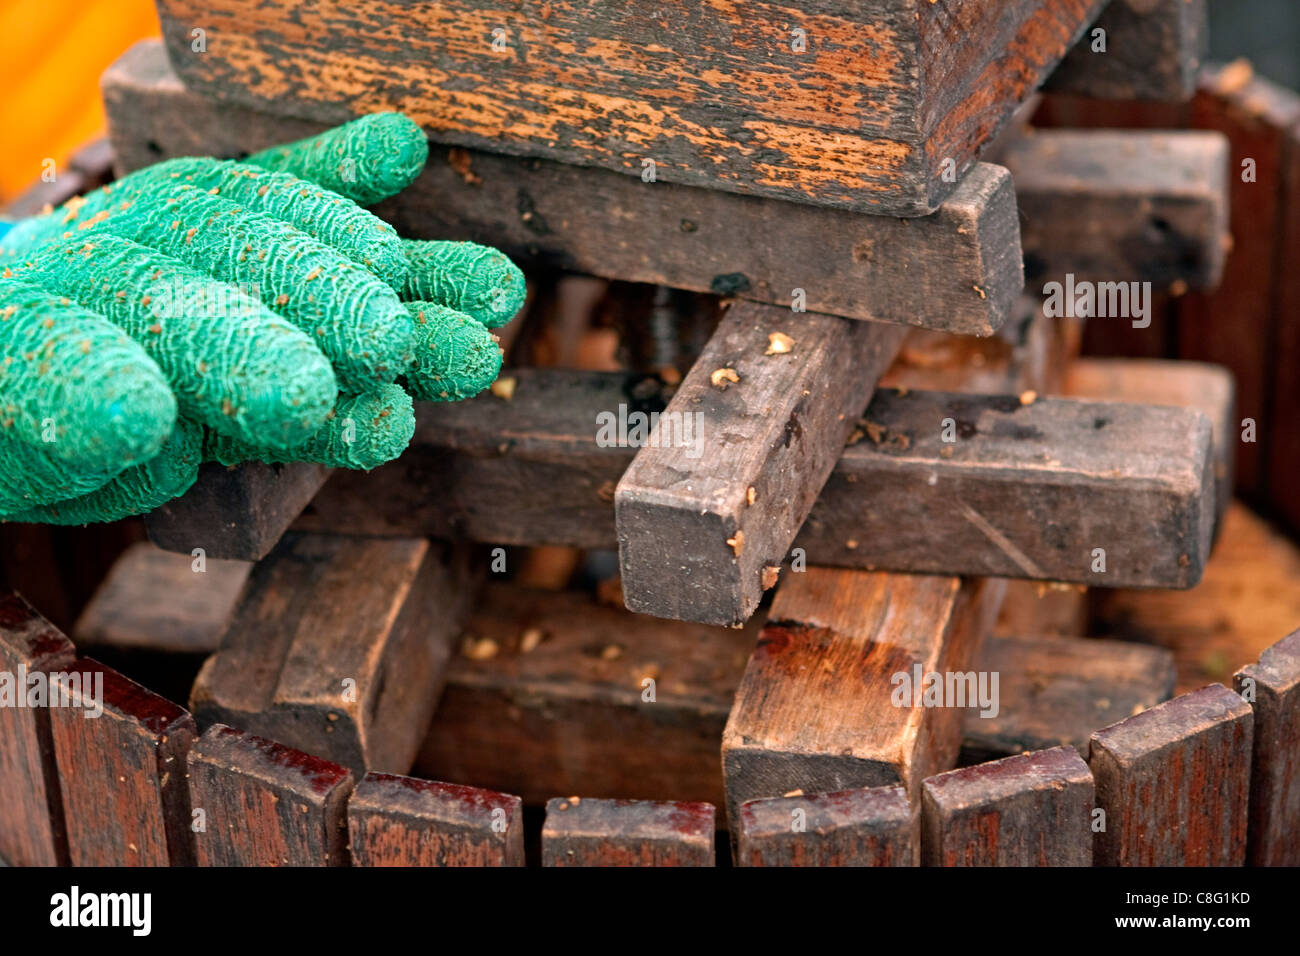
477,280
356,320
137,490
325,216
234,364
365,432
29,477
76,385
367,160
455,357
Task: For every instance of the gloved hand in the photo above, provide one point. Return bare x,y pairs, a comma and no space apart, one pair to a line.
232,311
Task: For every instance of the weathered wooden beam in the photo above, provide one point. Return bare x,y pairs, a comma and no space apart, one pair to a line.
910,502
708,509
1209,388
816,711
339,647
237,513
1174,783
551,686
125,611
777,106
1032,809
31,810
1237,324
1058,690
401,821
1153,50
957,270
871,827
1043,608
1109,206
590,832
1283,457
264,804
1272,686
121,757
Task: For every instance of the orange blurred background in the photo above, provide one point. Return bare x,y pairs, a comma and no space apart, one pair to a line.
51,55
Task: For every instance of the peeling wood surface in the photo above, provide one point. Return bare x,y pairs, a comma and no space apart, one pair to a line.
867,117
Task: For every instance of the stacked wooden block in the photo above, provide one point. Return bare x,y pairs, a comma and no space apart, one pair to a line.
891,427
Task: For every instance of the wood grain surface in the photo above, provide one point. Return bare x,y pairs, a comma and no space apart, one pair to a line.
868,116
958,269
589,832
699,521
871,827
401,821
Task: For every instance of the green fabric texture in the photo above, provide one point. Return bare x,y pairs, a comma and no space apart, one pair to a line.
455,357
364,432
234,364
477,280
356,320
30,477
368,159
75,384
325,216
136,490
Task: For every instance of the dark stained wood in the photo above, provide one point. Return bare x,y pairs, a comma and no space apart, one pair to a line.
1209,388
128,609
237,513
814,710
401,821
1174,782
121,757
265,804
957,270
1058,690
31,810
1273,685
1235,325
1153,51
717,97
1032,809
708,505
871,827
529,471
322,611
1122,206
590,832
1283,451
907,500
561,694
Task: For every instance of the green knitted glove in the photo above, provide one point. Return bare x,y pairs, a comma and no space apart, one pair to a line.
255,299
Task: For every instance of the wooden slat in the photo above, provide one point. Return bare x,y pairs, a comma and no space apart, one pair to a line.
552,685
1122,206
1283,452
1273,683
121,756
31,809
1033,809
1209,388
1058,690
814,710
125,611
590,832
872,827
704,516
1153,51
957,270
401,821
339,648
1174,783
265,804
237,513
913,502
1234,325
717,97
